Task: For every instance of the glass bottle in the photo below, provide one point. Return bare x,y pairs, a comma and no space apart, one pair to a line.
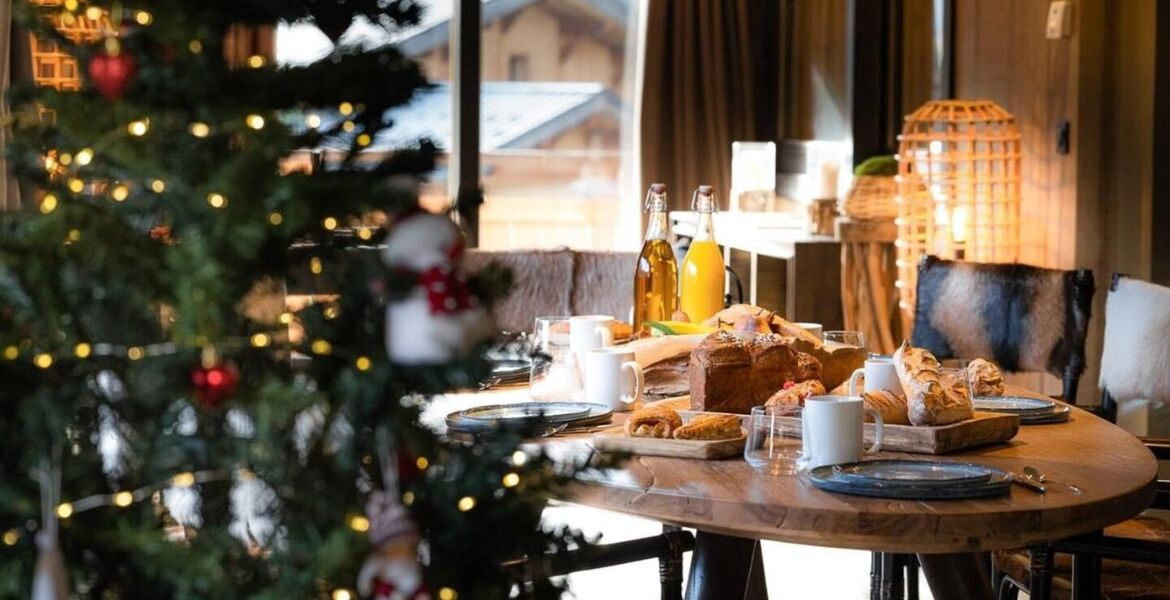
656,275
701,290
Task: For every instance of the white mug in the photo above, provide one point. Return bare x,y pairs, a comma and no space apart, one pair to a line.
615,378
880,374
813,328
589,332
834,430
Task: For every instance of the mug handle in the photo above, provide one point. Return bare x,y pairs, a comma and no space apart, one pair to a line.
605,334
639,382
877,435
857,373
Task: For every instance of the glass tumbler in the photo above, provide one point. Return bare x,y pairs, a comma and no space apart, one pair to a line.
774,444
845,338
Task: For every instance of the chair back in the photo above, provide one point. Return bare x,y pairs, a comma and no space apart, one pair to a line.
1137,342
559,282
1022,317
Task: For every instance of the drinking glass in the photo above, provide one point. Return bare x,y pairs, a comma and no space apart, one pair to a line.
774,440
955,378
845,338
554,375
550,333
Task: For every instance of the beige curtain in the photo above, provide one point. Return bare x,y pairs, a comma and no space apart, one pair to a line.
711,77
9,192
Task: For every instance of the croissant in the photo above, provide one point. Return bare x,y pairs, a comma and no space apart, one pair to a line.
928,403
653,421
796,394
986,380
710,427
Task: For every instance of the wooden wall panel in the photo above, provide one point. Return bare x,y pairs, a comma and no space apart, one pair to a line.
1001,54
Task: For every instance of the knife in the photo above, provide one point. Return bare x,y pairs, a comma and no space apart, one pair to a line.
1027,482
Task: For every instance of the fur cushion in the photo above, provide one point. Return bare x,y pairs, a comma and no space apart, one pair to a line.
1024,318
603,284
1137,341
542,285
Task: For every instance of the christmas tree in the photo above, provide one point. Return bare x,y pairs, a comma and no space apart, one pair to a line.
168,428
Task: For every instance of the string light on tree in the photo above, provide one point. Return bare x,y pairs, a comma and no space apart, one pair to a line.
199,129
82,350
275,219
342,594
255,122
261,340
448,594
359,523
84,156
65,158
183,480
348,126
256,61
364,140
217,200
345,108
195,46
158,186
44,360
64,510
135,352
329,223
510,480
48,204
93,13
123,499
143,18
466,503
120,192
362,363
139,128
76,185
313,120
321,347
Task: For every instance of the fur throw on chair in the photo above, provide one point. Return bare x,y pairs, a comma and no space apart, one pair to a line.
1022,317
1135,362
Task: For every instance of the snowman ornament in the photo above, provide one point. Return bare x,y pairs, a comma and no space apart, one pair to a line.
439,319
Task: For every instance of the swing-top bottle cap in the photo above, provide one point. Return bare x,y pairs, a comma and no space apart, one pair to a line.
656,197
704,199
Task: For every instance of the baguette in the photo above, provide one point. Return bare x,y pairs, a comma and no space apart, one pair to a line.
891,406
927,402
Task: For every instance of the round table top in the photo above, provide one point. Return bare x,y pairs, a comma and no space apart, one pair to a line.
1113,469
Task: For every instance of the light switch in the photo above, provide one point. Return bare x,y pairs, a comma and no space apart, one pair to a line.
1059,20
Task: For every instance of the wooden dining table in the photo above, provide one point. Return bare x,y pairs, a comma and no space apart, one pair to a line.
732,506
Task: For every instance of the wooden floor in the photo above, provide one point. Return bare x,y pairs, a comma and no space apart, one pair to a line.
793,571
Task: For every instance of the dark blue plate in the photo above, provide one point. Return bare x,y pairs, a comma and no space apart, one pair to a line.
825,478
920,473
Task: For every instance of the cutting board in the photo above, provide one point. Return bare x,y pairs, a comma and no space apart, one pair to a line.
615,439
983,429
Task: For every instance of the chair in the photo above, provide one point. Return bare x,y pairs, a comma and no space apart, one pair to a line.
1130,560
1022,317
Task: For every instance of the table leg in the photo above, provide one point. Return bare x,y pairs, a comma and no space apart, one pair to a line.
726,567
956,576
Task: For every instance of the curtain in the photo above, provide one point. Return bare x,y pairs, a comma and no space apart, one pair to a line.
9,192
711,77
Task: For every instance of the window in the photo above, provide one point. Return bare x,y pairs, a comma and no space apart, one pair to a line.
518,67
556,116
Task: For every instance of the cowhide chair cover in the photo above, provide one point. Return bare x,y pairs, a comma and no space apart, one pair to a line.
1022,317
560,282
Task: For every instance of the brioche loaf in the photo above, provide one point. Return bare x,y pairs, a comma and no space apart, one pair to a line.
732,372
928,402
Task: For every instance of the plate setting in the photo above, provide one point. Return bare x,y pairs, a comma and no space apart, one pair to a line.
912,480
1015,405
527,416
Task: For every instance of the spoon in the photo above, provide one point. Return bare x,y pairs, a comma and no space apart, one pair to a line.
1038,475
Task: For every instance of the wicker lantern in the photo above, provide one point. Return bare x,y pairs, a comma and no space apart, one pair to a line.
958,188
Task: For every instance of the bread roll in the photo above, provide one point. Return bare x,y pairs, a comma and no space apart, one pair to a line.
653,421
986,380
928,403
710,427
796,394
891,406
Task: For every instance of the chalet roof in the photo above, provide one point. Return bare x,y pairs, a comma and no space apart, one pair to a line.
515,114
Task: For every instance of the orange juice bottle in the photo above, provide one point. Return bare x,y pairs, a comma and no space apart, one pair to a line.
701,288
656,275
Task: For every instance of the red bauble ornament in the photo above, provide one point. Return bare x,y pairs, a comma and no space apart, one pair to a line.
214,384
111,74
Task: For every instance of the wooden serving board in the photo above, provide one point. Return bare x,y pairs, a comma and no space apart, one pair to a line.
983,429
615,439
